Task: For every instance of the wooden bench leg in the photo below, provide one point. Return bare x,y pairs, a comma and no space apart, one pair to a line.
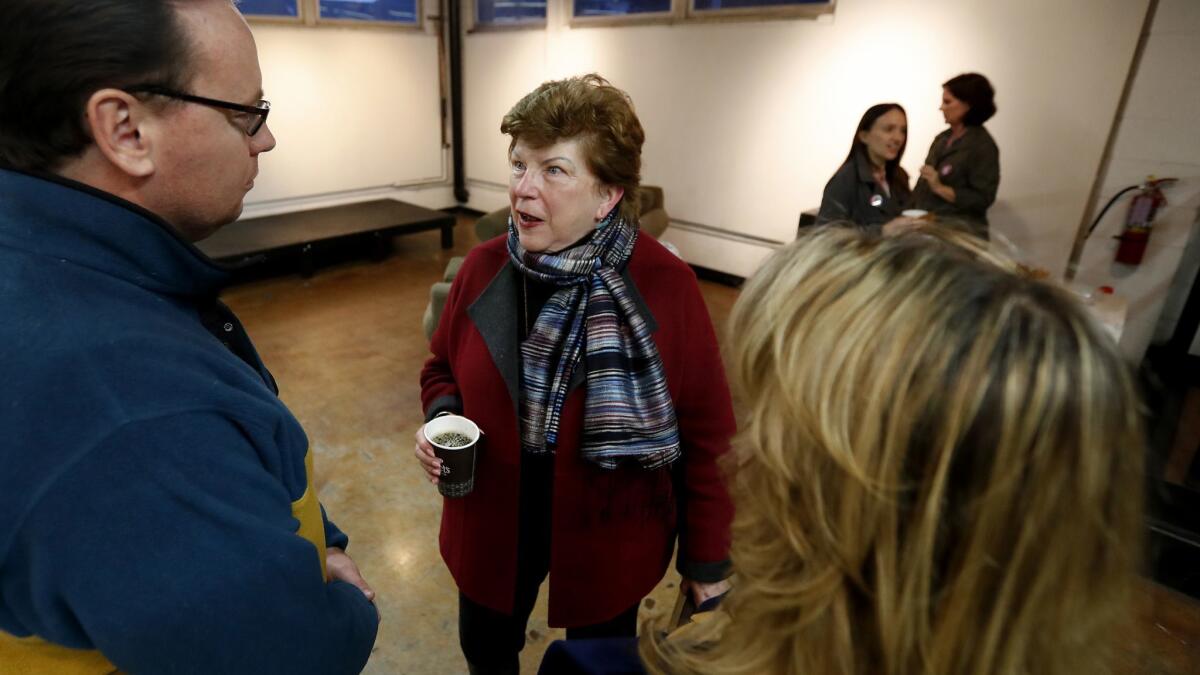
381,246
308,263
448,236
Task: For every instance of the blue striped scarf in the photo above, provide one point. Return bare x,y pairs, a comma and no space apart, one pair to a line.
628,413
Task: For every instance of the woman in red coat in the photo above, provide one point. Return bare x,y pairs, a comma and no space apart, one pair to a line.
586,355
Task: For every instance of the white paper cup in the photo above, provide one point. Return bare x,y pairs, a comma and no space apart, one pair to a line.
458,463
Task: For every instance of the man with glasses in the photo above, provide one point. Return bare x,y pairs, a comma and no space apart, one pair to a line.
157,512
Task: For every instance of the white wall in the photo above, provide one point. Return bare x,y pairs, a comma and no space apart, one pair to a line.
1156,135
356,113
746,121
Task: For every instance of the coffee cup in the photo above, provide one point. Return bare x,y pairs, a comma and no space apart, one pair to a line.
454,439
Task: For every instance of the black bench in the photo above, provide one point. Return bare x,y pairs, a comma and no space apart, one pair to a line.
252,238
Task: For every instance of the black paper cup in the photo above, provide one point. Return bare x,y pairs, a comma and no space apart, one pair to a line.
458,463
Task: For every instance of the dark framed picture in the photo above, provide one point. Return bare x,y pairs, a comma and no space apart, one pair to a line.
389,12
273,10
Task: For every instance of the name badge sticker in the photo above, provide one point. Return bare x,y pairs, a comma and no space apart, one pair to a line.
876,200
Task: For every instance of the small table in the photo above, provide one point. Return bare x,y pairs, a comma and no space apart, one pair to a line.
381,219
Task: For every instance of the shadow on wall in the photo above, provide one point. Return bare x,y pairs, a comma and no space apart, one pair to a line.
1030,230
1009,231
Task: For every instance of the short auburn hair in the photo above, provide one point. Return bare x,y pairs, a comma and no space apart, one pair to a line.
599,115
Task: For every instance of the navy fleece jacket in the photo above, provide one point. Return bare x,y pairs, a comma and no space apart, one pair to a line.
147,466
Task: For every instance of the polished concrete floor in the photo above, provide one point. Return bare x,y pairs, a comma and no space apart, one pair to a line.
346,347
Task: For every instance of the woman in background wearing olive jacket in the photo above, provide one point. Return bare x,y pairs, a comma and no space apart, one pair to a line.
962,172
870,188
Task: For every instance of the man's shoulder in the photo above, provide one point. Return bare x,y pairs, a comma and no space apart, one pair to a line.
95,348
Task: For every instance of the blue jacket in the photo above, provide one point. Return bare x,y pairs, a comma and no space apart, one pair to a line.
155,503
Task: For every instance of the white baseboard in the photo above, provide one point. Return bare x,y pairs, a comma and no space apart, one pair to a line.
721,250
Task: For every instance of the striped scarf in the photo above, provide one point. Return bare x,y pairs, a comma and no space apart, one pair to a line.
628,413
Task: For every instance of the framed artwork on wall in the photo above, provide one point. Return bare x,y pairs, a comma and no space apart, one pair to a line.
388,12
395,13
509,14
618,12
291,11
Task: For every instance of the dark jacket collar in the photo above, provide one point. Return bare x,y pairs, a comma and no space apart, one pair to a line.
61,219
494,314
866,173
972,135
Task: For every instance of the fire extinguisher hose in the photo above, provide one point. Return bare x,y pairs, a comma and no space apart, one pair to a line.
1107,206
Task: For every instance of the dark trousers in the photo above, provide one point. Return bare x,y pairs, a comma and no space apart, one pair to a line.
492,640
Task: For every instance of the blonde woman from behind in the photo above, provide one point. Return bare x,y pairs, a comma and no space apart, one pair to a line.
938,470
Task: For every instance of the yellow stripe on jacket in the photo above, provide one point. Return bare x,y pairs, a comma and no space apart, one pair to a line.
34,656
30,655
308,511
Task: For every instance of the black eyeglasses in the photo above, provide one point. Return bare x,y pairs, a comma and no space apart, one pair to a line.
255,115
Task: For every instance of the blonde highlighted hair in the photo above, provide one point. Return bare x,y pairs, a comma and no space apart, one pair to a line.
938,469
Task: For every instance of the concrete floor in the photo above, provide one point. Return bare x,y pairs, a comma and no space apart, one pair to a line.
346,347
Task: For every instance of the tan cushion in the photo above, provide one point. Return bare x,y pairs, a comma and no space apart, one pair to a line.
433,311
452,268
492,225
654,219
651,198
654,223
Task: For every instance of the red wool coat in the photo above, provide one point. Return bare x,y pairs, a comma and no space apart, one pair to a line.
612,531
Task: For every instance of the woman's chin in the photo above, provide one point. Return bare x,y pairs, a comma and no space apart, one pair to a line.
532,242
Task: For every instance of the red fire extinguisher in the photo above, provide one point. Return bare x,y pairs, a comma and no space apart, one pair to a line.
1140,220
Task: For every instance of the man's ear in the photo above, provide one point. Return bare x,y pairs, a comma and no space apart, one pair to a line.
117,122
611,194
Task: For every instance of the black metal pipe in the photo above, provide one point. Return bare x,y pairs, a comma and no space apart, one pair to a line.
456,107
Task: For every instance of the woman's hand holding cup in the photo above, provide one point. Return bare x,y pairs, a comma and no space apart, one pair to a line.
429,461
446,448
907,220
